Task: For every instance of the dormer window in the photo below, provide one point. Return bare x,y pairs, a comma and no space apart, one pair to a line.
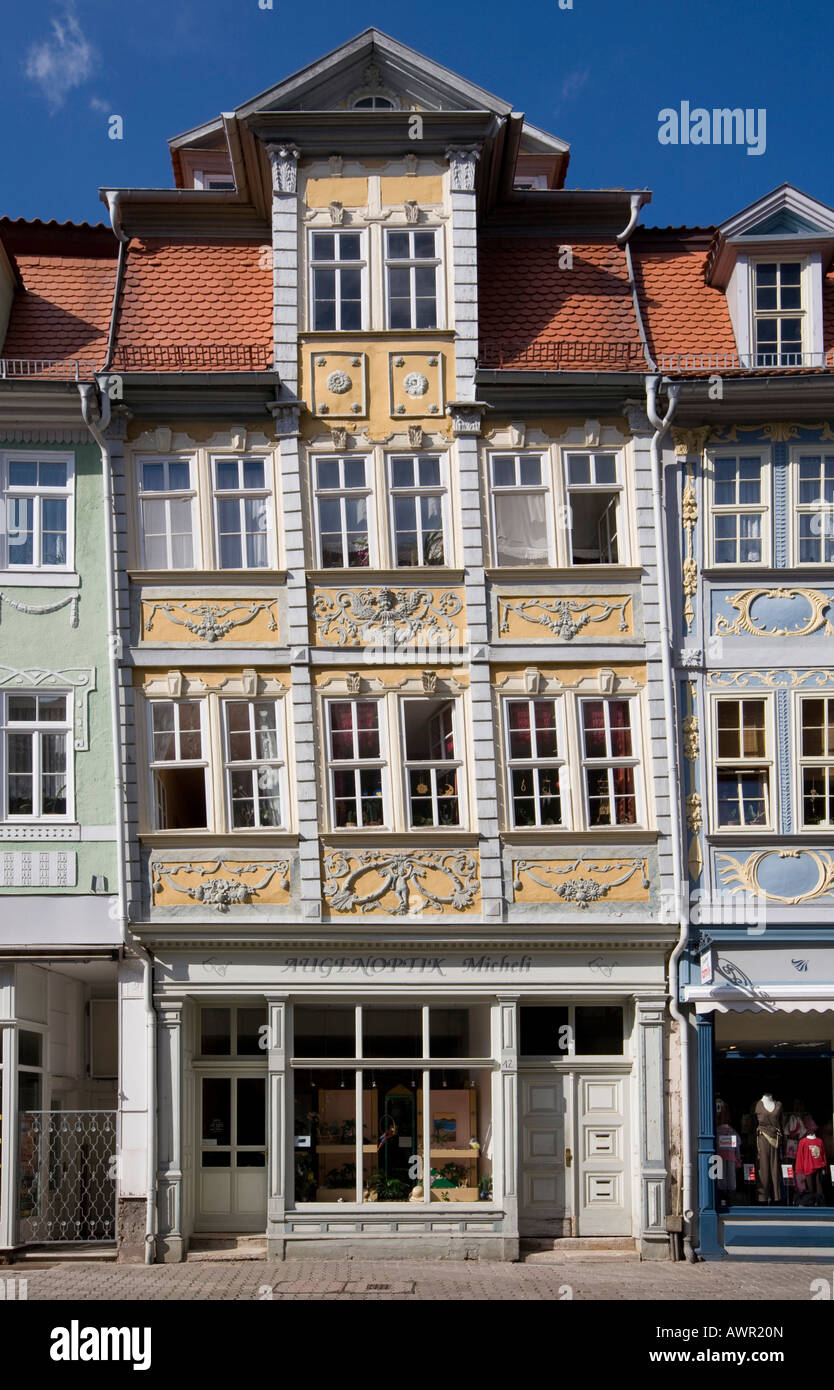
374,103
777,313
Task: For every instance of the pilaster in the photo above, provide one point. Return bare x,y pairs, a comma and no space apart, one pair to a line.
651,1117
709,1247
171,1243
279,1133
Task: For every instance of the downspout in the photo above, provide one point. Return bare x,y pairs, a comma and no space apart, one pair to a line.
90,400
669,707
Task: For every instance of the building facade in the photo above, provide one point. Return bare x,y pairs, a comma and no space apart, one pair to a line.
59,936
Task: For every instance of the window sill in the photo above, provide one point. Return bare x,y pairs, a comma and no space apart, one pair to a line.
315,335
201,578
419,574
39,579
221,839
526,574
552,835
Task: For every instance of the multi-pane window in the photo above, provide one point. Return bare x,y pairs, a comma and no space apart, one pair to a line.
412,266
817,761
432,768
739,510
241,512
608,762
520,502
178,764
166,500
36,733
37,512
337,273
342,504
593,490
254,762
417,500
535,761
777,313
356,763
814,510
742,764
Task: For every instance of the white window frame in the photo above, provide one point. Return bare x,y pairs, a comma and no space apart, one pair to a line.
34,729
545,487
253,765
779,257
610,761
15,493
457,763
417,491
337,265
764,509
331,494
357,764
189,494
241,495
767,763
821,761
204,761
560,764
412,263
824,512
580,489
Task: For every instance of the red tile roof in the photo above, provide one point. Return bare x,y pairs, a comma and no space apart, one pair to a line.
62,311
681,314
534,314
204,305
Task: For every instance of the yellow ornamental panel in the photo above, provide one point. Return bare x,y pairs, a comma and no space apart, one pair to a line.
401,883
224,621
339,382
219,883
351,193
416,384
578,882
381,616
564,617
417,188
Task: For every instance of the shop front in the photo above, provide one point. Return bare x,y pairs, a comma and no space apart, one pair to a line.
456,1102
765,1024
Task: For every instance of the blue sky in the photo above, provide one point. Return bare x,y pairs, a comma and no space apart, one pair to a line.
597,75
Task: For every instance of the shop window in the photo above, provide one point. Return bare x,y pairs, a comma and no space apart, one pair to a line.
593,493
177,764
817,761
324,1032
36,756
535,761
520,502
337,269
543,1030
37,501
392,1032
166,508
412,265
241,513
609,762
449,1033
343,500
226,1031
742,776
598,1030
417,503
739,510
431,768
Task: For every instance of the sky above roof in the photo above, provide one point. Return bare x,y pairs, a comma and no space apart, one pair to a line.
598,74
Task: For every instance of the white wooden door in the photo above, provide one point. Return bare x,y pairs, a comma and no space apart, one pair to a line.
545,1128
232,1175
603,1186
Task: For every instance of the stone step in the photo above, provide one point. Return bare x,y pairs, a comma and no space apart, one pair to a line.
537,1243
60,1254
220,1246
557,1257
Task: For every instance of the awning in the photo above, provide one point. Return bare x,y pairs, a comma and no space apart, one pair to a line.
725,998
759,979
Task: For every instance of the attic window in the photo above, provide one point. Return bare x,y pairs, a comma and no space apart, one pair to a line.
777,313
525,181
375,103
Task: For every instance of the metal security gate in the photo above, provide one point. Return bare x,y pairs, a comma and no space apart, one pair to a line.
67,1176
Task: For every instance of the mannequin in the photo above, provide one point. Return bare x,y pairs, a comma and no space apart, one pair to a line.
810,1161
797,1125
769,1125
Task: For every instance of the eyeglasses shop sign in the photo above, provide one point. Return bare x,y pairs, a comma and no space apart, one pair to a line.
405,967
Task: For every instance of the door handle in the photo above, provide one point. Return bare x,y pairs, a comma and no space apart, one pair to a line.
568,1158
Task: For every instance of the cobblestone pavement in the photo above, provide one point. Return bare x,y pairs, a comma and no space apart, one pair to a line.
411,1280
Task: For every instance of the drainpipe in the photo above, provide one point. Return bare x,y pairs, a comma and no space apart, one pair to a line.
90,400
669,709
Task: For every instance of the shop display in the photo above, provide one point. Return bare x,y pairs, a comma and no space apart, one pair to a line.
769,1125
810,1162
728,1143
798,1124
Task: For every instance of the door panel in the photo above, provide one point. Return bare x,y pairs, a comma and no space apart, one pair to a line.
232,1172
603,1207
544,1199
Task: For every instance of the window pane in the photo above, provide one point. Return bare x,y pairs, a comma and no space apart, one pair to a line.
543,1031
579,468
327,473
598,1030
324,1032
251,1026
424,248
215,1032
217,1110
521,529
503,470
398,245
30,1048
179,476
448,1032
226,474
251,1112
23,474
392,1032
324,246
